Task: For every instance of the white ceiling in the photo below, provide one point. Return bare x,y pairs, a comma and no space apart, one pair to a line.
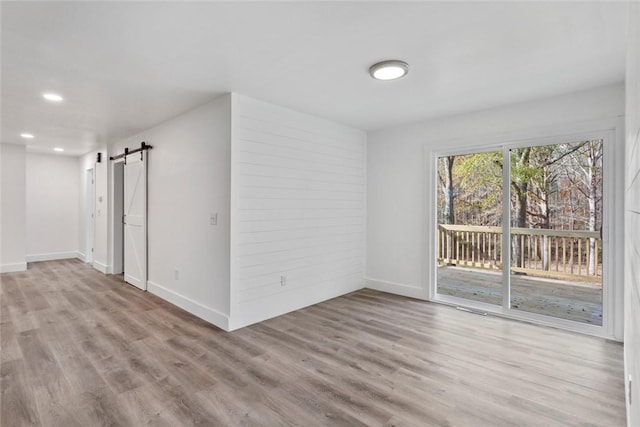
126,66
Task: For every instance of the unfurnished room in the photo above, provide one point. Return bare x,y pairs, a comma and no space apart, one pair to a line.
320,213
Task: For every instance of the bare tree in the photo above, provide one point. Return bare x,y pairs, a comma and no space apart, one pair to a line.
586,177
520,177
446,183
547,162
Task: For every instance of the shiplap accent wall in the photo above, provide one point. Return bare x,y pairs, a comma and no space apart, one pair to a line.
632,218
298,210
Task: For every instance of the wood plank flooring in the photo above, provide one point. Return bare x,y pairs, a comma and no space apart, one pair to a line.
83,349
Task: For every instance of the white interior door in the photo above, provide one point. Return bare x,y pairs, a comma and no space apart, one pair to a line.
90,218
135,221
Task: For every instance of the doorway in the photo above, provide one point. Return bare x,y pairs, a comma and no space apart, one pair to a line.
118,217
519,231
555,234
129,216
89,216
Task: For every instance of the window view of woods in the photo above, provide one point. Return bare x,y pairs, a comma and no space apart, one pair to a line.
556,216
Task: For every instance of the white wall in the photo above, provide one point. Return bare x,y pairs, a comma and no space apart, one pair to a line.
189,179
396,185
12,208
632,217
295,207
101,185
298,210
52,192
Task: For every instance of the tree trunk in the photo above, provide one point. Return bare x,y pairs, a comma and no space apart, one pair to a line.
448,214
449,196
521,186
546,223
592,184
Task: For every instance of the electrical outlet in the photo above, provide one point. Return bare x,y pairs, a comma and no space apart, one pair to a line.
176,274
213,219
283,280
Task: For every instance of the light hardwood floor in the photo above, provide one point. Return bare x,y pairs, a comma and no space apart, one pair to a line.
83,349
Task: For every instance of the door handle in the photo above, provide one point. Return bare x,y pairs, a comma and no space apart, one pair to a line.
124,219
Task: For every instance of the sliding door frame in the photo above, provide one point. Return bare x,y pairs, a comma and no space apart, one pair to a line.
612,304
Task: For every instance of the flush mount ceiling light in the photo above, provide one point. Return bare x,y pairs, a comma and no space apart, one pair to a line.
389,70
58,149
26,135
53,97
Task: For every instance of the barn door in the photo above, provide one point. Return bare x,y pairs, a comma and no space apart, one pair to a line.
135,221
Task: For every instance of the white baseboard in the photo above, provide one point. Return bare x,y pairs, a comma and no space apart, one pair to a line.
12,268
193,307
102,268
396,288
52,256
262,307
81,257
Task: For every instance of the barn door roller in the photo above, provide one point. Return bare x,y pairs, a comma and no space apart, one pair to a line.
141,150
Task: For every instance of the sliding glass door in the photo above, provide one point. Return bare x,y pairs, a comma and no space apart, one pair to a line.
469,228
518,230
556,218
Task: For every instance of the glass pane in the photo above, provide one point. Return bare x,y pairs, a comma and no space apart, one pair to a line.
469,229
556,217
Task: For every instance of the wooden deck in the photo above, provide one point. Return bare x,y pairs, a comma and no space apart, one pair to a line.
581,302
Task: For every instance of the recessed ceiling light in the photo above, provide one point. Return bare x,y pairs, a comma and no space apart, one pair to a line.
389,70
53,97
58,149
26,135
